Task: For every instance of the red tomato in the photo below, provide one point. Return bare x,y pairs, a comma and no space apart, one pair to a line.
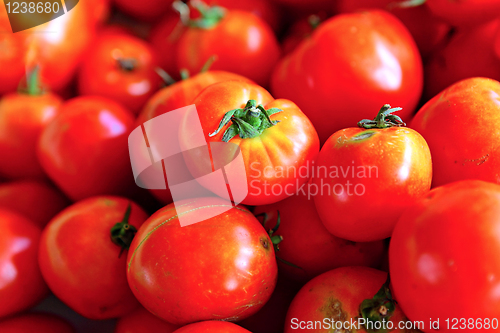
308,244
143,321
84,149
241,41
334,298
369,176
81,261
465,12
22,119
445,248
21,283
35,200
275,155
477,58
149,11
212,327
301,30
122,68
205,280
301,5
35,322
461,127
353,63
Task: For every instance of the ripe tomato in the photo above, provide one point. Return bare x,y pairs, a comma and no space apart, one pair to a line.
477,59
35,200
122,68
368,176
308,244
143,321
21,283
84,149
149,11
205,280
35,322
369,54
461,127
242,43
22,118
273,153
465,13
445,248
334,298
81,260
301,30
212,327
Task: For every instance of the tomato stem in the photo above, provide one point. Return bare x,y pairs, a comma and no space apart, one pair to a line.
314,21
127,64
380,308
384,119
209,15
31,85
248,122
122,233
405,4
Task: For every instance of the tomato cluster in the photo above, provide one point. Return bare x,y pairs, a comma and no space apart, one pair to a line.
265,166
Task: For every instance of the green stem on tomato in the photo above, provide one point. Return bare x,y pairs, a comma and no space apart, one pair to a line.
209,15
122,233
380,308
384,119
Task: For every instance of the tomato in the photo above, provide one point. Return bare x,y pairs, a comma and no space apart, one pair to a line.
149,11
35,322
84,149
242,43
143,321
304,5
301,30
277,155
81,260
21,283
477,59
465,13
334,298
308,244
122,68
368,175
461,127
206,281
22,118
212,327
35,200
353,63
445,248
428,36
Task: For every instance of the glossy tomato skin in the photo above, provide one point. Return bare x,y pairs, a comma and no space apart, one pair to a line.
241,41
465,13
35,322
308,244
143,321
81,264
212,327
22,119
477,59
272,160
423,265
461,127
84,150
337,294
206,280
21,284
36,200
369,54
369,177
120,67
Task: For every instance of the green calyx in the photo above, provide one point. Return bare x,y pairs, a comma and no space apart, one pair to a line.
380,308
31,85
127,64
384,119
122,233
209,15
248,122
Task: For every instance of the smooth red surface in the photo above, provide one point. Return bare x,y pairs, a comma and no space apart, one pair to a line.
22,119
38,201
222,268
35,322
465,13
212,327
21,283
80,263
368,178
143,321
461,127
352,64
308,244
445,248
148,11
85,149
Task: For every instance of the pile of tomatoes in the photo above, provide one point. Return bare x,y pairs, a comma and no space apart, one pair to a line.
368,139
